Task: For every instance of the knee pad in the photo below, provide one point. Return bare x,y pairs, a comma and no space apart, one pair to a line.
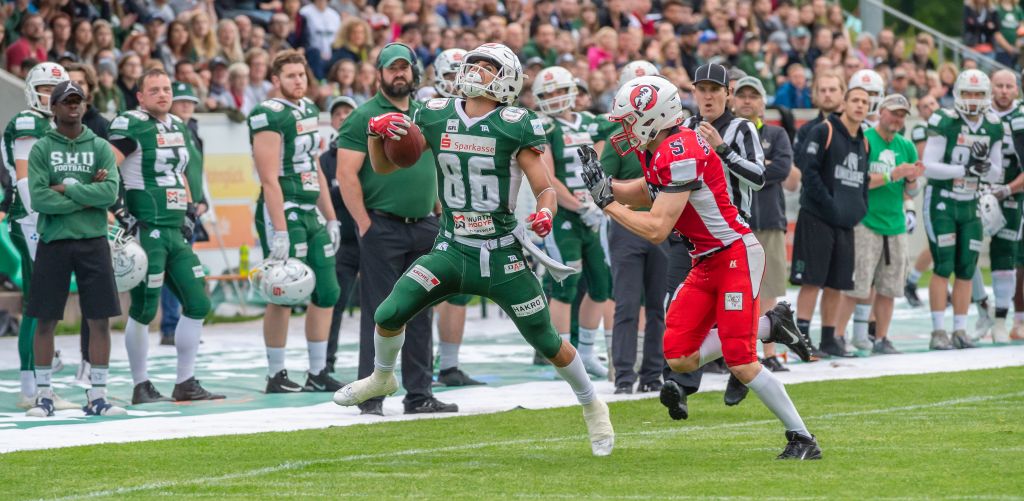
196,307
945,269
142,314
387,315
327,292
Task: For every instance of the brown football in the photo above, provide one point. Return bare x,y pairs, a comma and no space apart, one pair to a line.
407,150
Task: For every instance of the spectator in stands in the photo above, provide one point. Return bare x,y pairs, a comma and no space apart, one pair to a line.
238,84
107,98
259,87
823,39
156,29
767,22
341,79
604,49
81,38
322,24
800,43
204,41
244,25
852,64
229,42
219,97
1008,16
185,71
866,50
980,25
84,76
257,38
756,63
280,31
102,39
159,9
947,78
60,26
177,47
794,93
924,44
129,71
900,82
140,45
453,13
30,45
353,42
542,45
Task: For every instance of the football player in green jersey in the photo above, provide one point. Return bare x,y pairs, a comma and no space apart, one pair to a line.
964,148
484,146
20,135
575,239
152,150
294,217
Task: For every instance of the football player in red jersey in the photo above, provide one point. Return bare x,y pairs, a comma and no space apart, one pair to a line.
685,188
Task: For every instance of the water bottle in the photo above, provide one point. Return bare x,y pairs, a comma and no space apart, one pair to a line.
243,261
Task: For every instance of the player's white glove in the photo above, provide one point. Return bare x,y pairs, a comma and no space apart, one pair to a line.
1000,191
334,230
591,215
279,246
911,220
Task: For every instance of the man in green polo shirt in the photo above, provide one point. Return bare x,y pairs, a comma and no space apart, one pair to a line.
881,237
396,224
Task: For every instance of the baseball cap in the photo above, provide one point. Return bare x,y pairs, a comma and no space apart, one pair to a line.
534,60
183,91
801,32
895,102
218,61
714,73
341,101
393,52
65,90
687,29
779,38
736,74
752,82
708,36
582,85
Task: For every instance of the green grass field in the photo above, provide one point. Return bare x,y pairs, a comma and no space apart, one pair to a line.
946,435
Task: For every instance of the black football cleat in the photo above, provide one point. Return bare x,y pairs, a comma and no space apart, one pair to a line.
651,387
430,406
773,364
624,389
836,347
800,447
372,407
784,331
910,292
146,393
190,389
453,376
279,383
673,397
735,391
322,382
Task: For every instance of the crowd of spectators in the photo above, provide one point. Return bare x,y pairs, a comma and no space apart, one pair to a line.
222,47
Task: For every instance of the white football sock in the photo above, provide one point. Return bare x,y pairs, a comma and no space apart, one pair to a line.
98,379
1003,284
449,355
914,275
586,342
710,349
43,374
28,383
317,351
772,392
764,328
136,341
385,351
186,342
959,322
861,318
938,320
576,375
978,291
275,360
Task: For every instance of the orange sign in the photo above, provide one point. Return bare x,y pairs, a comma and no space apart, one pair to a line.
235,225
231,176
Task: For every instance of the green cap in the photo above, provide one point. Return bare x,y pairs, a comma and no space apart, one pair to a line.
392,53
183,92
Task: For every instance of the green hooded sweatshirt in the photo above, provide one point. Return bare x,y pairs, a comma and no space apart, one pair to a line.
81,211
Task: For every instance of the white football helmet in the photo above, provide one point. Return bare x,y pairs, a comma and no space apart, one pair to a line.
550,80
42,74
870,81
447,63
644,107
992,218
636,69
972,81
505,85
129,258
284,283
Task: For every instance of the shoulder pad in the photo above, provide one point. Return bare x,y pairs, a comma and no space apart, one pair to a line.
937,117
992,117
138,115
272,105
539,129
513,114
437,103
1017,122
24,122
175,118
120,123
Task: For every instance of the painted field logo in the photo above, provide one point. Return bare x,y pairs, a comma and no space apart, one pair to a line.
528,308
423,277
462,143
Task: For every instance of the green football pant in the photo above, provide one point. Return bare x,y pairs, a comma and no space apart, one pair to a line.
452,268
574,244
1004,248
24,238
954,234
310,243
171,258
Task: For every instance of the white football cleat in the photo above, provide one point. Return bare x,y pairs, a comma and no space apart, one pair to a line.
861,341
60,404
999,333
985,322
599,426
594,366
374,385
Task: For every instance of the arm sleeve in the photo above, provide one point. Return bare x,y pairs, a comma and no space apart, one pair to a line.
101,194
744,157
995,157
23,146
125,145
44,200
811,161
781,162
934,167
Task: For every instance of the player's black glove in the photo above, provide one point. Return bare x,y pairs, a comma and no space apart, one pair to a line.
126,220
599,184
189,226
979,164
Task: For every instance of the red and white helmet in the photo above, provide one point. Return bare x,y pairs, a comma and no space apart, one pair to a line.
644,106
635,69
42,74
870,81
447,63
506,84
285,283
972,81
550,80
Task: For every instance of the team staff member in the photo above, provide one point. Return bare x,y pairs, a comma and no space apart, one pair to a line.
833,200
73,179
396,225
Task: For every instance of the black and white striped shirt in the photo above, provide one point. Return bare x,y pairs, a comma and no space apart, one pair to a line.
744,160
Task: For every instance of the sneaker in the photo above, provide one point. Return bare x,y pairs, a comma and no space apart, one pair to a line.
884,347
453,376
57,365
167,339
651,387
735,391
82,374
773,364
861,341
800,447
321,382
836,347
377,384
986,315
817,354
999,333
42,408
940,341
61,404
279,383
146,393
910,292
784,331
674,398
594,366
599,427
372,407
430,406
624,389
190,389
960,340
100,407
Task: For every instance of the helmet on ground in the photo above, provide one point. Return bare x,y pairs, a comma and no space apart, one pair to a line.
644,107
128,257
284,283
505,85
550,80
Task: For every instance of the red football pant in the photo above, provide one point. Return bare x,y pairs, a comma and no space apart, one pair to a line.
721,289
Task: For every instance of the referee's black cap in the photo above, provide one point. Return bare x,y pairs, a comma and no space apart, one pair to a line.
714,73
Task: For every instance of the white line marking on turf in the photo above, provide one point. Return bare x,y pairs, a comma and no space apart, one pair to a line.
291,465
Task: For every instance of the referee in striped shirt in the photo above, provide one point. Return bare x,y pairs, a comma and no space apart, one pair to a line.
734,139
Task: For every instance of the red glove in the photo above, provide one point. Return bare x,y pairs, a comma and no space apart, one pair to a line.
541,222
390,125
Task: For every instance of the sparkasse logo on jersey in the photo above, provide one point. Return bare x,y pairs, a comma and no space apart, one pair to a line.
462,143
